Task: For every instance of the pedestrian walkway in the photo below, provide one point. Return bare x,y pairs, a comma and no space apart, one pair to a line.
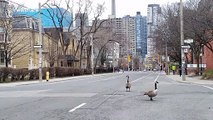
194,79
12,84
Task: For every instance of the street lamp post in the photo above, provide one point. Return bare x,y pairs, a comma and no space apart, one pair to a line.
167,65
182,41
92,55
201,60
40,44
113,58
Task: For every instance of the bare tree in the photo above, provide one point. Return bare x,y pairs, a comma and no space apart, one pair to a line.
168,33
85,31
197,26
105,36
15,45
58,16
52,47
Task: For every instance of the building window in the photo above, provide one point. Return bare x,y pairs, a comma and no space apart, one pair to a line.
1,34
61,63
1,37
1,57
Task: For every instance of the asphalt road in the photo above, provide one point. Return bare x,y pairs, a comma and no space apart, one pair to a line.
104,98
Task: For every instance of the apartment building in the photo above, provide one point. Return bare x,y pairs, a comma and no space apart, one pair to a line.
153,16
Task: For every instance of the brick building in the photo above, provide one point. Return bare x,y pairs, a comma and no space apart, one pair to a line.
208,57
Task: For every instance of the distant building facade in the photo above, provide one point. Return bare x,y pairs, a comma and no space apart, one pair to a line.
49,15
208,57
141,35
130,34
81,18
5,30
153,16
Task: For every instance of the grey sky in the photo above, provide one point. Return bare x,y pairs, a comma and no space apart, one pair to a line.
123,7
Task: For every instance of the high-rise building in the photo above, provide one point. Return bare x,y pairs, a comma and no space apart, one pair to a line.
130,35
153,16
141,35
117,32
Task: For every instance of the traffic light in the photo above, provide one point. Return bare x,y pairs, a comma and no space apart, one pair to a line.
129,58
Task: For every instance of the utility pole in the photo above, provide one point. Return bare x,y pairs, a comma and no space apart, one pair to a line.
167,66
113,58
132,62
128,56
182,41
40,44
92,55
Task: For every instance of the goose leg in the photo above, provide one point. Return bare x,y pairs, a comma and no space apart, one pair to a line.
151,98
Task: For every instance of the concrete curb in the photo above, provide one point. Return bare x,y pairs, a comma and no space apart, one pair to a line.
194,80
12,84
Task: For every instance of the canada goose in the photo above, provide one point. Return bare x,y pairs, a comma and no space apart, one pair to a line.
128,85
152,93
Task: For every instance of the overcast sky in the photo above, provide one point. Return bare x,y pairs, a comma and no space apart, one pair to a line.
123,7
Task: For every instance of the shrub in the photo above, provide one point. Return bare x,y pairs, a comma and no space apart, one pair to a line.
34,74
20,73
208,74
5,72
87,71
64,71
103,70
78,72
52,72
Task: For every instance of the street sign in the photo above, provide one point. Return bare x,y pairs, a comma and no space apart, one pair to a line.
188,41
185,46
37,46
185,50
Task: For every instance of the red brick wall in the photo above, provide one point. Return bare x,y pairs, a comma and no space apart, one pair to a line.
208,56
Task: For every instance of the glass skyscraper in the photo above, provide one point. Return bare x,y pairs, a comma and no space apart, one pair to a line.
141,35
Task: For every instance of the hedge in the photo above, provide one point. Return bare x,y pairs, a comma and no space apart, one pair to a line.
12,74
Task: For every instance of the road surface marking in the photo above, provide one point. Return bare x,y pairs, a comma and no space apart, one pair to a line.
207,87
140,78
77,107
109,78
157,77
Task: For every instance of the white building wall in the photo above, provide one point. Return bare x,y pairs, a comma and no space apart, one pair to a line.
129,27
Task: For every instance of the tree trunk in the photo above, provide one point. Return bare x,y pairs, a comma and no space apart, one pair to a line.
88,57
6,59
198,66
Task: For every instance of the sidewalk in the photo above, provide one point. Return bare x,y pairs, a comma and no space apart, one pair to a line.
195,79
12,84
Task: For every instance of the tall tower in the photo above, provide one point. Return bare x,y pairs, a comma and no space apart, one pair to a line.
113,9
153,16
141,35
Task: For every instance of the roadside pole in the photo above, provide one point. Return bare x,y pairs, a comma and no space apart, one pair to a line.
92,55
40,43
182,41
